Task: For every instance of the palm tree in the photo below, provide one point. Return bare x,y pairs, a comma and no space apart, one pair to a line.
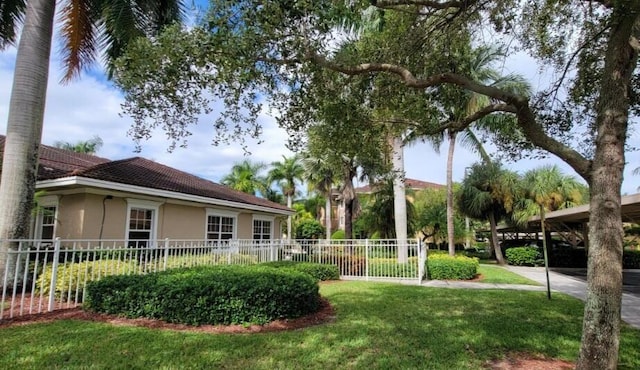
90,146
465,103
321,176
488,192
245,177
289,171
380,209
85,25
547,189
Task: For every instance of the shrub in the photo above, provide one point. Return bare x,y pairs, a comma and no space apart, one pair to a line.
208,295
318,271
338,235
631,259
309,229
524,256
389,267
445,267
72,277
477,252
352,265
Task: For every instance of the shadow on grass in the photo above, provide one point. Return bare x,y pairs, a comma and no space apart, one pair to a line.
378,326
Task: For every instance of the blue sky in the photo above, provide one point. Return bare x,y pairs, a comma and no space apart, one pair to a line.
90,106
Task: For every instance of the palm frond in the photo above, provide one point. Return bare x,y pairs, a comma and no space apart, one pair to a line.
11,13
78,36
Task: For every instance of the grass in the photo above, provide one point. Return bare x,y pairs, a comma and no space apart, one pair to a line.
378,326
499,275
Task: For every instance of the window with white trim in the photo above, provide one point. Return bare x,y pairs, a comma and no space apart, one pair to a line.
141,222
262,229
47,214
220,228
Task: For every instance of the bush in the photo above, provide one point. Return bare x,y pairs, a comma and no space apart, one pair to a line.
208,295
389,267
338,235
309,229
524,256
351,265
71,278
318,271
479,253
445,267
631,259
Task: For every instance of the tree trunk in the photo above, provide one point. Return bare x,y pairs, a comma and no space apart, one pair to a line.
348,197
289,232
601,324
399,198
494,239
450,230
24,125
327,215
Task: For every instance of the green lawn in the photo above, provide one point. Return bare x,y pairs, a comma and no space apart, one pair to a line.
378,326
499,275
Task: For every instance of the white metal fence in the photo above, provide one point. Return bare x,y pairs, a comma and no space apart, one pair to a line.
40,276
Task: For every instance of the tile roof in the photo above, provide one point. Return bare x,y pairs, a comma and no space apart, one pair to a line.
409,184
57,163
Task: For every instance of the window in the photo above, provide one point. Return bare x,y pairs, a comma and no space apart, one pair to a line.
220,228
141,222
47,214
220,225
262,229
46,223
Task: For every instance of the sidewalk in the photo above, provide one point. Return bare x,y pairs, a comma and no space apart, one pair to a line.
572,286
577,288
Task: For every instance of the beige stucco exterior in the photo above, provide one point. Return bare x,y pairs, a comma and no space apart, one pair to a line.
85,213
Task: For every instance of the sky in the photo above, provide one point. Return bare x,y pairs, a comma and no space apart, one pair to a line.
90,106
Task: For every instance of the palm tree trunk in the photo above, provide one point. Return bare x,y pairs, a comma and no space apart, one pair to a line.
399,197
327,215
289,232
24,126
494,239
450,230
544,250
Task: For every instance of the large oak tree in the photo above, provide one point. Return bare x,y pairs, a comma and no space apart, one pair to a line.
583,118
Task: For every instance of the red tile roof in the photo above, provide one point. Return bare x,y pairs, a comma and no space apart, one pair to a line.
58,163
409,184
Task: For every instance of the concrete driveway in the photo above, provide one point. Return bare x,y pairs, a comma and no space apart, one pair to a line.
630,278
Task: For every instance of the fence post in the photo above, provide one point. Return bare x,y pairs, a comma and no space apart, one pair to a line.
54,274
166,254
272,246
420,262
366,259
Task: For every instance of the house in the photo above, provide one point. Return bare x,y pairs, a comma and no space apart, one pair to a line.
136,199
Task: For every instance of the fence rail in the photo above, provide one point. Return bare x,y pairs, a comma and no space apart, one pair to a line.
45,275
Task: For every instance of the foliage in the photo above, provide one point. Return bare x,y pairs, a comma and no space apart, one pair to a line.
524,256
309,229
289,171
318,271
208,295
71,278
378,214
431,207
90,146
245,177
338,235
445,267
631,259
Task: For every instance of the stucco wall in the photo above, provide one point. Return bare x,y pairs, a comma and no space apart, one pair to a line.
80,216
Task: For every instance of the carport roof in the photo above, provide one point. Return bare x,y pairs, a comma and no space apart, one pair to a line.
579,214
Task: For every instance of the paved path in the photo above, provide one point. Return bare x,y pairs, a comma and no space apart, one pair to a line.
572,285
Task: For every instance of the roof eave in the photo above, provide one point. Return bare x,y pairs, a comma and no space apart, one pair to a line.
110,185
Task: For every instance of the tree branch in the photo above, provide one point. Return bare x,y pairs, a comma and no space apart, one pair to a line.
386,4
526,117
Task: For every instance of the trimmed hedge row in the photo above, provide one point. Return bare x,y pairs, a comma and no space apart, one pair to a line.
445,267
207,295
524,256
318,271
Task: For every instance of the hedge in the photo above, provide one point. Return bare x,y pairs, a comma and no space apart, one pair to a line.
445,267
319,271
524,256
207,295
72,277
